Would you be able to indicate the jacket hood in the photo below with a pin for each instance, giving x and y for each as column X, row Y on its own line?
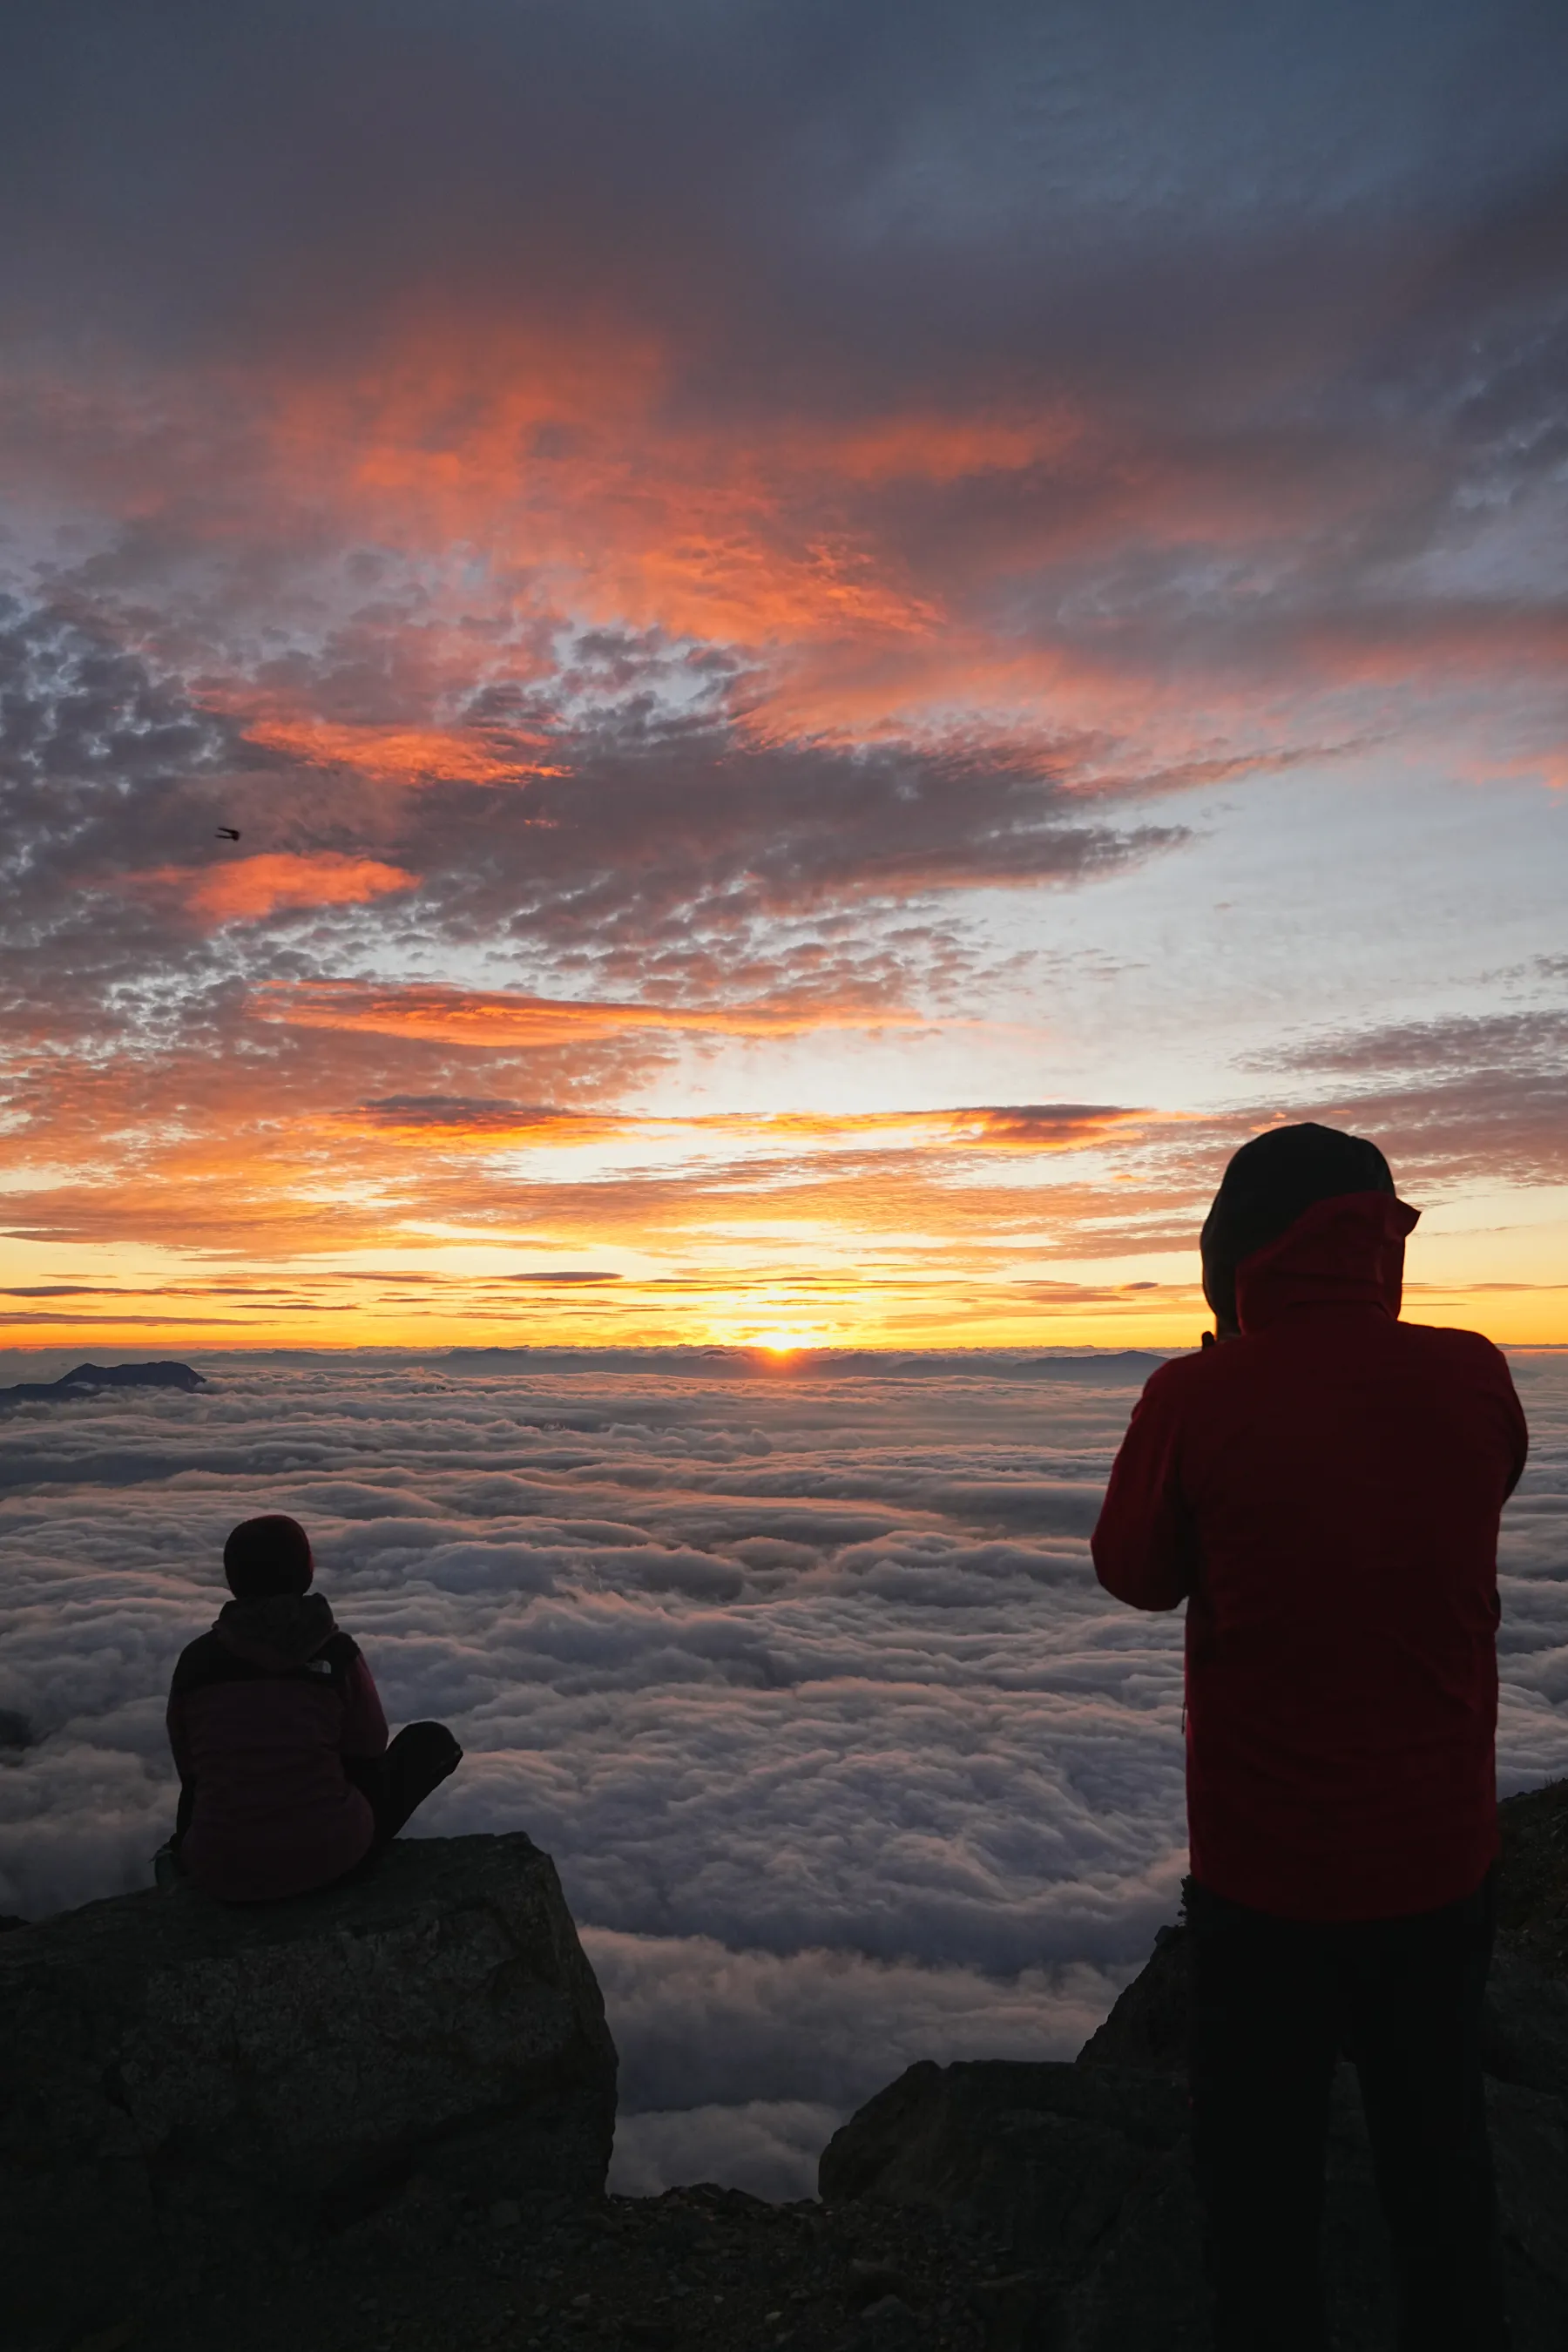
column 1344, row 1252
column 276, row 1629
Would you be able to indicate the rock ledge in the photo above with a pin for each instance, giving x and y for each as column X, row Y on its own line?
column 1083, row 2171
column 177, row 2072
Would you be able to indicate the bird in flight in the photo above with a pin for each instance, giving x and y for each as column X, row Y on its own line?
column 227, row 833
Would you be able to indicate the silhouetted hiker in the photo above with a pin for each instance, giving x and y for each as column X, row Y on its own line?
column 286, row 1777
column 1324, row 1490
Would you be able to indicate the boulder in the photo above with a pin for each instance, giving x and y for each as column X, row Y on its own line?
column 1084, row 2170
column 1524, row 2023
column 1084, row 2173
column 176, row 2073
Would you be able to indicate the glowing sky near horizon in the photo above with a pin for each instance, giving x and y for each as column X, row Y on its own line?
column 844, row 641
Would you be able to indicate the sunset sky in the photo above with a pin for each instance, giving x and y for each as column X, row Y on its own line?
column 845, row 638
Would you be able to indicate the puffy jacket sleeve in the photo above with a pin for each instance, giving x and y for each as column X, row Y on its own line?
column 179, row 1741
column 364, row 1725
column 1144, row 1544
column 1516, row 1430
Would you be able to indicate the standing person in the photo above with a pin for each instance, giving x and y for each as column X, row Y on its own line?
column 1323, row 1487
column 286, row 1777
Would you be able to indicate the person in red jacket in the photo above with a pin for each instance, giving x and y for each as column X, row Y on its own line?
column 287, row 1780
column 1321, row 1484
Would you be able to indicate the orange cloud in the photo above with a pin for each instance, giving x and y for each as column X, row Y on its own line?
column 459, row 1120
column 1025, row 1127
column 931, row 447
column 398, row 755
column 553, row 454
column 554, row 471
column 252, row 886
column 509, row 1019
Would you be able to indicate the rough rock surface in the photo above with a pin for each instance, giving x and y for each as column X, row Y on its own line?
column 1083, row 2170
column 698, row 2270
column 177, row 2074
column 998, row 2159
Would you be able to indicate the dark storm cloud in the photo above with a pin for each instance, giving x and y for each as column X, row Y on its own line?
column 1261, row 247
column 342, row 151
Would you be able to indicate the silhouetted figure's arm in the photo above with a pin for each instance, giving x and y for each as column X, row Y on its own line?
column 180, row 1748
column 1144, row 1544
column 1514, row 1422
column 364, row 1723
column 361, row 1743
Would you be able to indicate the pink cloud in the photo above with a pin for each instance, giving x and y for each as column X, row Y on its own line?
column 250, row 887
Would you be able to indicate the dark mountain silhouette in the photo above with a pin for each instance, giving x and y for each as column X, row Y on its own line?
column 85, row 1378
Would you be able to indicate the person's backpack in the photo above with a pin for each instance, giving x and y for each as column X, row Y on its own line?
column 209, row 1661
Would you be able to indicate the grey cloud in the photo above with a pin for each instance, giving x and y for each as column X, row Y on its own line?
column 796, row 2026
column 768, row 2147
column 1460, row 1042
column 740, row 2064
column 670, row 846
column 98, row 749
column 340, row 151
column 1469, row 1096
column 674, row 837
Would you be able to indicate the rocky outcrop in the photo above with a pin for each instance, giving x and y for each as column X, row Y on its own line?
column 176, row 2072
column 1084, row 2170
column 87, row 1380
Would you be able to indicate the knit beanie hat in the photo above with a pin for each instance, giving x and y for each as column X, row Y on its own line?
column 268, row 1555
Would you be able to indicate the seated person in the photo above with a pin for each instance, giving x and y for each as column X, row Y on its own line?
column 286, row 1777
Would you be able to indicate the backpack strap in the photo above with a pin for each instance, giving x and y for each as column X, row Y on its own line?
column 210, row 1661
column 336, row 1656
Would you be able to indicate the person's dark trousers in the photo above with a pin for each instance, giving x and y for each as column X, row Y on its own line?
column 1274, row 2004
column 421, row 1757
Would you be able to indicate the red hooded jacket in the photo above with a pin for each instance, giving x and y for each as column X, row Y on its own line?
column 1325, row 1493
column 264, row 1712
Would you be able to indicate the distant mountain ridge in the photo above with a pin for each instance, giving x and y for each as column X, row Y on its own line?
column 87, row 1378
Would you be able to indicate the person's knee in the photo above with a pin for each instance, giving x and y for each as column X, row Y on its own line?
column 435, row 1747
column 434, row 1735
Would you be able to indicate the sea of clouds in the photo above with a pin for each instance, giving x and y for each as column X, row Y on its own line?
column 805, row 1680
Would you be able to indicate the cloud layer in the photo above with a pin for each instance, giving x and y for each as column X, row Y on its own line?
column 807, row 1683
